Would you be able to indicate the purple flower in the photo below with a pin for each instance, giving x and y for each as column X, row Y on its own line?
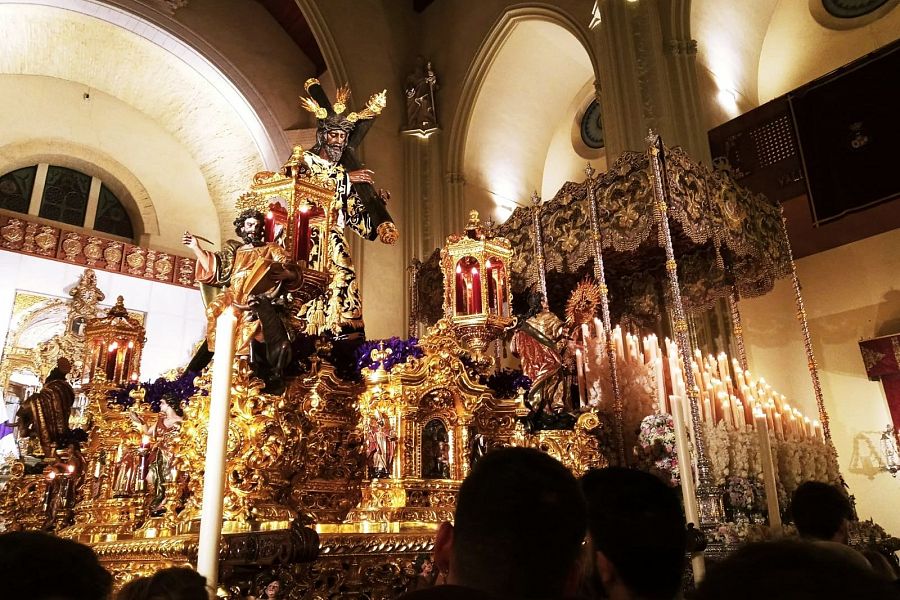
column 401, row 351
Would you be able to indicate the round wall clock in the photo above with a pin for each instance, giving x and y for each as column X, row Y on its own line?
column 851, row 9
column 592, row 126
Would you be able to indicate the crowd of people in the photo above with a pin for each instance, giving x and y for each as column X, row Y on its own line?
column 526, row 528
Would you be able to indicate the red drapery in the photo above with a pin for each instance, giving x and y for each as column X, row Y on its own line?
column 882, row 359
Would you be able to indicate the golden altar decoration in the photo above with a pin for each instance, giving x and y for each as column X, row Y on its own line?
column 296, row 203
column 86, row 297
column 113, row 346
column 438, row 414
column 477, row 292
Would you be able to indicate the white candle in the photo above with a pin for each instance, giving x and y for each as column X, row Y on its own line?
column 722, row 360
column 768, row 465
column 726, row 408
column 660, row 385
column 216, row 445
column 579, row 365
column 779, row 428
column 617, row 340
column 685, row 472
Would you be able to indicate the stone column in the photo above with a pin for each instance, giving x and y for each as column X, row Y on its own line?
column 427, row 217
column 648, row 76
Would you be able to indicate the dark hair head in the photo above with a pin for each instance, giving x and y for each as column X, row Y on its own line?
column 791, row 570
column 520, row 522
column 535, row 302
column 173, row 401
column 136, row 589
column 246, row 214
column 635, row 520
column 819, row 509
column 40, row 566
column 174, row 583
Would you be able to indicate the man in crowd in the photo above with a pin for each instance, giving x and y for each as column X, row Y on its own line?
column 518, row 531
column 637, row 532
column 822, row 515
column 792, row 570
column 39, row 566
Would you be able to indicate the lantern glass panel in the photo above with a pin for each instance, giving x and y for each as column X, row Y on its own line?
column 468, row 286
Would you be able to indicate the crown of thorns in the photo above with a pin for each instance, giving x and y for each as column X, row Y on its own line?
column 331, row 115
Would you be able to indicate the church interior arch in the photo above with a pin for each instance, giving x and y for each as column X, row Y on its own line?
column 116, row 85
column 533, row 77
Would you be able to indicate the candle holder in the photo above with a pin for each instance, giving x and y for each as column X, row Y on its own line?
column 477, row 293
column 113, row 347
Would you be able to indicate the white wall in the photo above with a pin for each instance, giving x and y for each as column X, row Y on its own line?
column 175, row 319
column 851, row 292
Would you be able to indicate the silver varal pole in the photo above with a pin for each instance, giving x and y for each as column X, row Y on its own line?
column 709, row 496
column 600, row 276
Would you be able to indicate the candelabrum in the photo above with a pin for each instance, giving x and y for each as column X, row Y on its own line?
column 891, row 453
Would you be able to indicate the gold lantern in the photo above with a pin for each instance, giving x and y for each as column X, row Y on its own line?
column 114, row 346
column 477, row 295
column 297, row 204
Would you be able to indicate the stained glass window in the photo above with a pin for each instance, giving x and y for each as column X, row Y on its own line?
column 65, row 196
column 15, row 189
column 111, row 216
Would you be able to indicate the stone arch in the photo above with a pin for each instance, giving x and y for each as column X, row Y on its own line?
column 90, row 161
column 480, row 72
column 321, row 32
column 183, row 85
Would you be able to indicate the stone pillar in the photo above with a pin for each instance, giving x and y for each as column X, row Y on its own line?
column 647, row 76
column 427, row 217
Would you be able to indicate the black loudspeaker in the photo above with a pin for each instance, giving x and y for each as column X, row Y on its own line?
column 847, row 126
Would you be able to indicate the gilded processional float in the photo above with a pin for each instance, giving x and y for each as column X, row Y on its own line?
column 309, row 456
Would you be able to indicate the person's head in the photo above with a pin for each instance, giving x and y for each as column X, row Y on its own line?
column 791, row 570
column 637, row 531
column 519, row 526
column 427, row 567
column 273, row 589
column 64, row 365
column 250, row 226
column 174, row 583
column 331, row 137
column 535, row 302
column 39, row 566
column 170, row 404
column 821, row 511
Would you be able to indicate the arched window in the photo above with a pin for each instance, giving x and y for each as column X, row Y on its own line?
column 15, row 189
column 111, row 216
column 67, row 196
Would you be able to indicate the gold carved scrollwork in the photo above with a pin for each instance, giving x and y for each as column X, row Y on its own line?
column 135, row 260
column 113, row 255
column 163, row 267
column 259, row 448
column 93, row 251
column 13, row 233
column 46, row 240
column 578, row 449
column 72, row 245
